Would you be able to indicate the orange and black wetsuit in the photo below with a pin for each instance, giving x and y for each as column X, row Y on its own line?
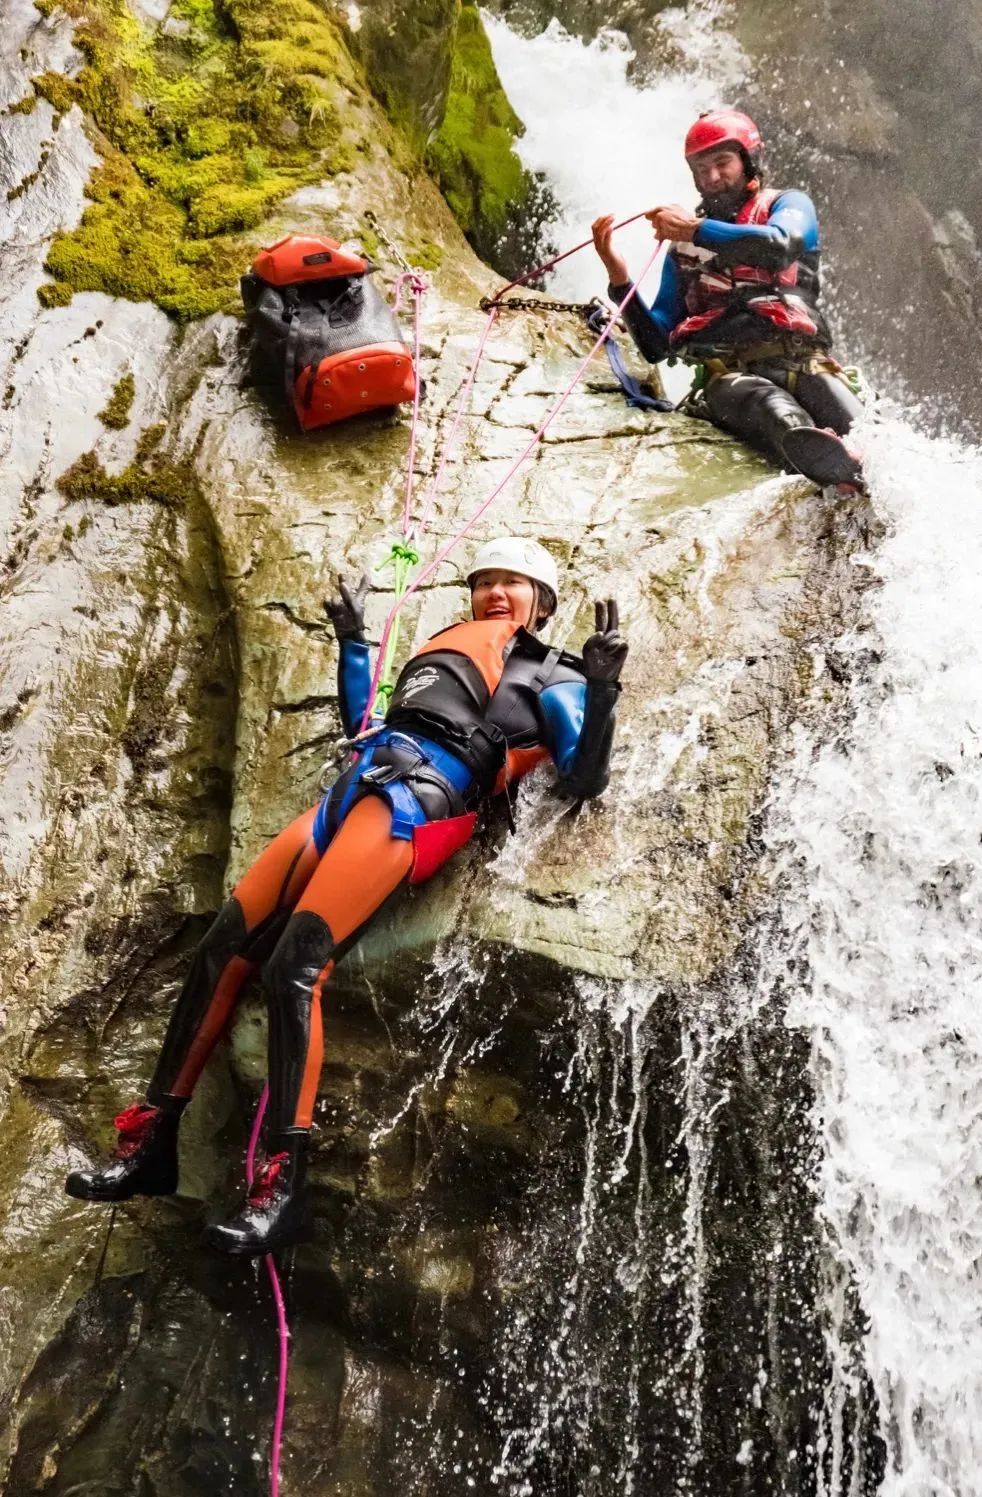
column 480, row 703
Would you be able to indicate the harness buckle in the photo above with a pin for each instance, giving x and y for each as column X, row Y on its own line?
column 382, row 774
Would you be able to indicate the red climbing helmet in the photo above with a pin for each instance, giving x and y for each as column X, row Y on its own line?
column 721, row 127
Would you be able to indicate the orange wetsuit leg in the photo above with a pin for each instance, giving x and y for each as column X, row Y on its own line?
column 239, row 939
column 363, row 866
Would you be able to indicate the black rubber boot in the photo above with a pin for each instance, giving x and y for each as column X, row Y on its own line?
column 276, row 1212
column 144, row 1161
column 821, row 456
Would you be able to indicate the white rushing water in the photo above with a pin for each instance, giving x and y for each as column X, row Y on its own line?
column 882, row 831
column 877, row 834
column 604, row 144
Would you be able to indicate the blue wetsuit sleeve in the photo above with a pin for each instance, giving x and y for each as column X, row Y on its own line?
column 650, row 327
column 578, row 728
column 354, row 683
column 791, row 230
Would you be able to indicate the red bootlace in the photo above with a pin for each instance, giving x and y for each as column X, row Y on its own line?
column 133, row 1123
column 265, row 1179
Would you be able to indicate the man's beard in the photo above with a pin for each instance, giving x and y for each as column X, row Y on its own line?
column 725, row 204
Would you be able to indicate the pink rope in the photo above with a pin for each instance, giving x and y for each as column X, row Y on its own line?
column 282, row 1325
column 551, row 415
column 548, row 264
column 418, row 287
column 434, row 487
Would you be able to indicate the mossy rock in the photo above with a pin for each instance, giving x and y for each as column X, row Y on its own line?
column 407, row 48
column 473, row 154
column 151, row 481
column 202, row 129
column 55, row 293
column 116, row 412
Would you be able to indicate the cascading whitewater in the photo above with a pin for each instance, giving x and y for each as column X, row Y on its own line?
column 606, row 1371
column 880, row 834
column 624, row 151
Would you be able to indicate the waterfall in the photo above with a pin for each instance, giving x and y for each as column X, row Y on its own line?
column 878, row 832
column 870, row 958
column 604, row 144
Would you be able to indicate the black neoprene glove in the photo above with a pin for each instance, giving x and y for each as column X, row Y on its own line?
column 604, row 653
column 347, row 612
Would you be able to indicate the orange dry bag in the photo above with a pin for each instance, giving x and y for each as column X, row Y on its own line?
column 313, row 312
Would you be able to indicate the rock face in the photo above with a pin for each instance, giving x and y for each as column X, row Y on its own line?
column 564, row 1223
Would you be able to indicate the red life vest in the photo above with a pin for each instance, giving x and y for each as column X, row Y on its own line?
column 711, row 290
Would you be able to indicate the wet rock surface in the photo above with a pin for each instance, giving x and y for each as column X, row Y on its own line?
column 558, row 1149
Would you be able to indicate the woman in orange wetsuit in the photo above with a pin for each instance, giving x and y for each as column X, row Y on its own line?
column 481, row 703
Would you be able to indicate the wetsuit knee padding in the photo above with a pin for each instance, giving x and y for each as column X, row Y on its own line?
column 755, row 409
column 829, row 401
column 218, row 968
column 293, row 976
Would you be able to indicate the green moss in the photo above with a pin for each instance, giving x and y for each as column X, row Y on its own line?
column 426, row 254
column 116, row 412
column 149, row 441
column 55, row 294
column 25, row 105
column 201, row 135
column 153, row 482
column 406, row 46
column 369, row 241
column 472, row 155
column 60, row 92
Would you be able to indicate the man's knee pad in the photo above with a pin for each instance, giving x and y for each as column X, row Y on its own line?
column 829, row 401
column 755, row 408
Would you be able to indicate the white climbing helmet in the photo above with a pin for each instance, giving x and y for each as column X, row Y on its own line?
column 512, row 553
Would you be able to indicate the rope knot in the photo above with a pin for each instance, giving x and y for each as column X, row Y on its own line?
column 401, row 552
column 415, row 280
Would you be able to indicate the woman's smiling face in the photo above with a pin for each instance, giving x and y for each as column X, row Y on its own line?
column 504, row 595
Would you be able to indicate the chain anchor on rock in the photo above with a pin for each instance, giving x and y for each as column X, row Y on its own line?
column 379, row 231
column 541, row 304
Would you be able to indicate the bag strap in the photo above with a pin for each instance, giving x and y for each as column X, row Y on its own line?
column 290, row 360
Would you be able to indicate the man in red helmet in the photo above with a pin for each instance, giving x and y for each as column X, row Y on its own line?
column 739, row 295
